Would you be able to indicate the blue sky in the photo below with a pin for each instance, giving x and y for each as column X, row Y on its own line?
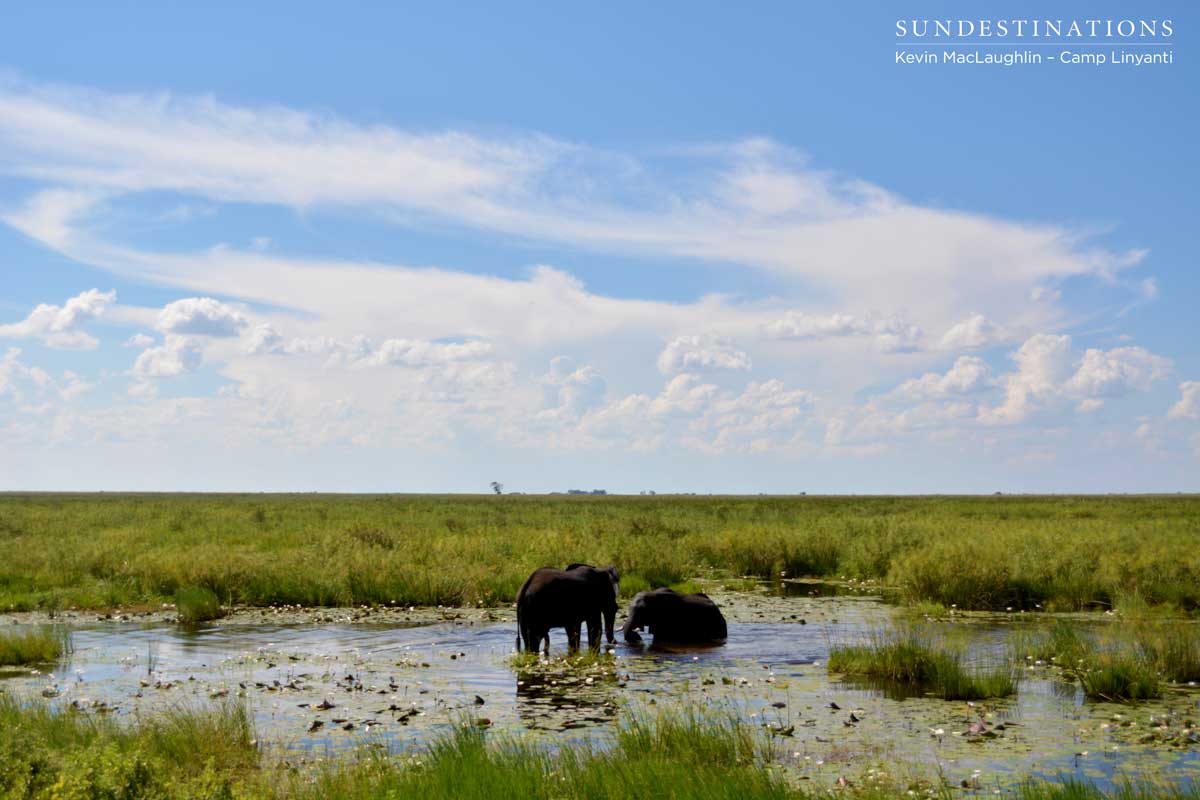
column 681, row 248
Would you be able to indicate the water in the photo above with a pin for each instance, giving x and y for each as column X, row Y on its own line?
column 400, row 686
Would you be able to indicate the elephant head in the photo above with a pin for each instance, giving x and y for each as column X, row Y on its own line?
column 640, row 616
column 609, row 583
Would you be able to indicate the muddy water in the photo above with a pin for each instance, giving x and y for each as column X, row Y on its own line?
column 316, row 689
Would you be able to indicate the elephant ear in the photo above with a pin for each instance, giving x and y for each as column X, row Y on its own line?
column 613, row 572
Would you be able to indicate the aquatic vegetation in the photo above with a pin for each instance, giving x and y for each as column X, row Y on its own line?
column 683, row 756
column 916, row 658
column 197, row 604
column 1119, row 675
column 998, row 553
column 212, row 753
column 40, row 644
column 1172, row 647
column 1060, row 644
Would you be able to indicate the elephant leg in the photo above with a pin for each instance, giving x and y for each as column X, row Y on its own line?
column 573, row 637
column 593, row 629
column 545, row 634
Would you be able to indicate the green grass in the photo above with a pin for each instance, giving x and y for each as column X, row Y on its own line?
column 211, row 754
column 1129, row 662
column 101, row 551
column 183, row 753
column 196, row 604
column 1060, row 643
column 20, row 645
column 1172, row 647
column 914, row 658
column 1119, row 676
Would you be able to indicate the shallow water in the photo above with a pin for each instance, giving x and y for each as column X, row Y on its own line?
column 400, row 686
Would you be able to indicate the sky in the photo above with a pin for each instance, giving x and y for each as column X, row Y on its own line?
column 679, row 247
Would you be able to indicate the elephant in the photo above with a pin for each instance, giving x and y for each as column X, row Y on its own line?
column 567, row 598
column 675, row 617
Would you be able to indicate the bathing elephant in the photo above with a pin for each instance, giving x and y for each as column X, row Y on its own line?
column 567, row 598
column 674, row 617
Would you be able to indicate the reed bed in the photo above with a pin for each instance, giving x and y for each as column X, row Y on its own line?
column 1053, row 553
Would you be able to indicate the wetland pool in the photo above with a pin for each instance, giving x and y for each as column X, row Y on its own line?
column 316, row 689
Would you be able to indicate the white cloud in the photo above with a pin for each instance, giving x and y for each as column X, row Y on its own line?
column 1045, row 375
column 700, row 353
column 201, row 316
column 972, row 333
column 139, row 340
column 1117, row 372
column 890, row 334
column 968, row 375
column 570, row 390
column 416, row 353
column 1043, row 362
column 19, row 381
column 753, row 203
column 1188, row 406
column 61, row 326
column 178, row 355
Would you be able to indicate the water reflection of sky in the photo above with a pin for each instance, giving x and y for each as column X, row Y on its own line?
column 767, row 673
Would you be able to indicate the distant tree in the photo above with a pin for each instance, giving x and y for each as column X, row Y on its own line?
column 497, row 487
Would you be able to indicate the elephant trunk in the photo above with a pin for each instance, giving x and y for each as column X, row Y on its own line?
column 610, row 618
column 629, row 632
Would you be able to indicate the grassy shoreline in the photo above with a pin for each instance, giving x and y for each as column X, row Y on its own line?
column 1061, row 553
column 213, row 753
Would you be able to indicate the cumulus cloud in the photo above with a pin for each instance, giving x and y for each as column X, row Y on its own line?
column 1043, row 362
column 701, row 353
column 1117, row 372
column 201, row 316
column 416, row 353
column 61, row 326
column 139, row 340
column 968, row 375
column 19, row 380
column 569, row 390
column 972, row 333
column 1188, row 406
column 767, row 415
column 1046, row 371
column 178, row 355
column 890, row 334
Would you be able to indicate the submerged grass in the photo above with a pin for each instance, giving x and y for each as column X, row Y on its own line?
column 1129, row 663
column 915, row 658
column 20, row 645
column 99, row 551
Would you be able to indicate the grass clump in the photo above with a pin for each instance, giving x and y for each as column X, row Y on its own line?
column 1060, row 644
column 21, row 645
column 196, row 604
column 1120, row 676
column 913, row 658
column 1172, row 647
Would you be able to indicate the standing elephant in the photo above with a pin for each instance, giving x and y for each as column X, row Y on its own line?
column 567, row 598
column 674, row 617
